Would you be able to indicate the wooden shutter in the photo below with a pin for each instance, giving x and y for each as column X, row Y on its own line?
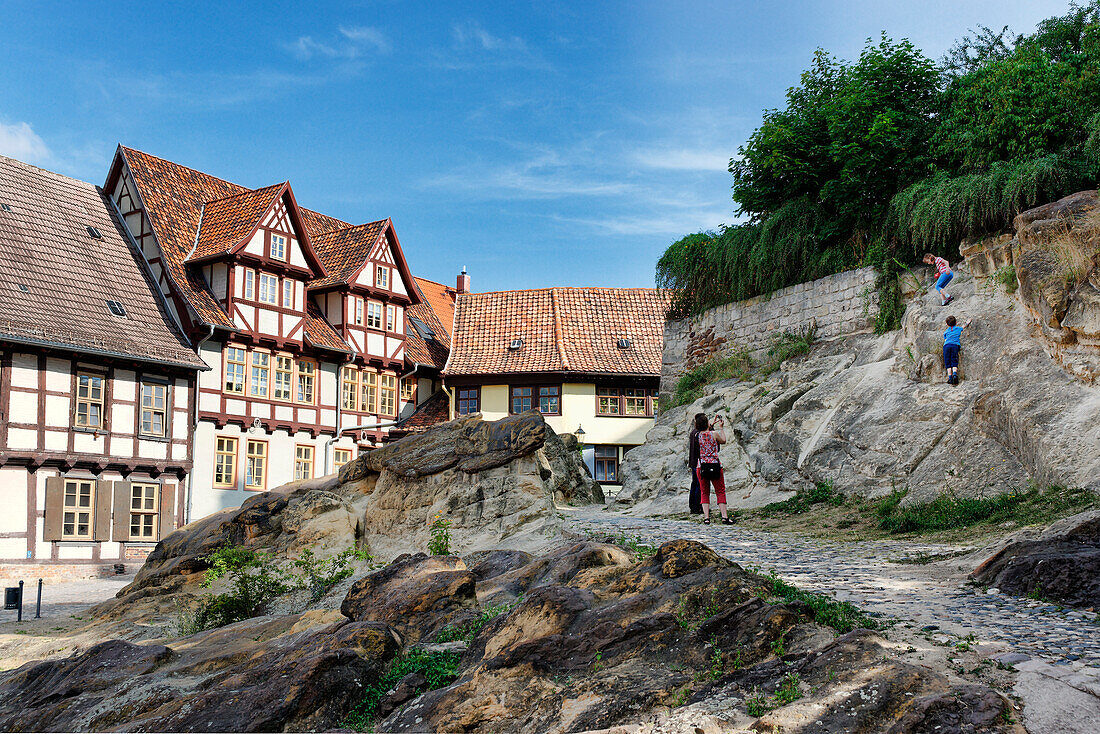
column 102, row 511
column 120, row 527
column 55, row 507
column 167, row 521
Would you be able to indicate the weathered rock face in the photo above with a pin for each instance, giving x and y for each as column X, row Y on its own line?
column 873, row 413
column 1062, row 563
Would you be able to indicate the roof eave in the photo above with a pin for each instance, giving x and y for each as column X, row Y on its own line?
column 79, row 349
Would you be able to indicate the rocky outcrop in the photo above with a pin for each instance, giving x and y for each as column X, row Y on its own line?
column 1062, row 563
column 872, row 414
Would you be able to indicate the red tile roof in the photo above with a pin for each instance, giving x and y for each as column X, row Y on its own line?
column 174, row 196
column 433, row 410
column 343, row 251
column 56, row 278
column 563, row 330
column 229, row 220
column 436, row 311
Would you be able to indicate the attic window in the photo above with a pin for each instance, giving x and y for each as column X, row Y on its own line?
column 94, row 232
column 516, row 345
column 422, row 329
column 5, row 207
column 23, row 288
column 117, row 308
column 624, row 343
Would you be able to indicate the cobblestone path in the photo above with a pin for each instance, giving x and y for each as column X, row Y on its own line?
column 863, row 574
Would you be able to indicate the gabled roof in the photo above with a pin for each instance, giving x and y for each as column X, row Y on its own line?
column 56, row 277
column 435, row 306
column 562, row 330
column 173, row 197
column 344, row 251
column 231, row 220
column 432, row 411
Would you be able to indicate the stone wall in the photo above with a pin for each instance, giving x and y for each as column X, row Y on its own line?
column 839, row 304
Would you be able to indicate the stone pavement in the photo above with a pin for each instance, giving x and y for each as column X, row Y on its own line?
column 60, row 599
column 862, row 573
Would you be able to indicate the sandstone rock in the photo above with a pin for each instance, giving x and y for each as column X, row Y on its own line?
column 1062, row 563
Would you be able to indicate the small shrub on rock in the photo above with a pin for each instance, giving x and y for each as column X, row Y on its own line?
column 440, row 531
column 437, row 668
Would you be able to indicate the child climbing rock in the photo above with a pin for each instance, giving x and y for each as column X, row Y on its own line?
column 952, row 341
column 943, row 276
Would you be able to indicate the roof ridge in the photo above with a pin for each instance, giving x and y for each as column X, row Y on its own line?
column 245, row 192
column 435, row 282
column 54, row 174
column 563, row 288
column 559, row 334
column 350, row 226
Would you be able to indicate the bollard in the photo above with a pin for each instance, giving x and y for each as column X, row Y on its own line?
column 19, row 614
column 38, row 605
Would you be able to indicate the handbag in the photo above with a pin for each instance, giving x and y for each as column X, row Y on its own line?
column 710, row 470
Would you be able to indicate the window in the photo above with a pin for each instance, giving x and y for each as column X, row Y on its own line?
column 374, row 315
column 234, row 370
column 269, row 289
column 387, row 396
column 78, row 509
column 468, row 400
column 550, row 399
column 288, row 293
column 350, row 388
column 391, row 313
column 255, row 473
column 278, row 247
column 261, row 374
column 225, row 462
column 383, row 278
column 284, row 369
column 358, row 318
column 654, row 397
column 154, row 408
column 306, row 372
column 634, row 401
column 408, row 388
column 303, row 462
column 370, row 392
column 521, row 399
column 250, row 284
column 89, row 400
column 143, row 511
column 607, row 401
column 607, row 463
column 341, row 457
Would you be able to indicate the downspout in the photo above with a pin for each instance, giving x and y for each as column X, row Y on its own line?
column 194, row 427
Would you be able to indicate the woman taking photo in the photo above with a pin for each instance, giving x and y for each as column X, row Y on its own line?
column 708, row 469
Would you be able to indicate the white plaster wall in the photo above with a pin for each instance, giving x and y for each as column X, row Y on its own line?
column 211, row 354
column 58, row 375
column 13, row 498
column 122, row 418
column 376, row 344
column 57, row 440
column 57, row 410
column 24, row 370
column 23, row 407
column 81, row 552
column 327, row 384
column 124, row 387
column 87, row 443
column 269, row 322
column 22, row 438
column 153, row 449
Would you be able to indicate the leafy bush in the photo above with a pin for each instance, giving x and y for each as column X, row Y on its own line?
column 469, row 630
column 1006, row 276
column 842, row 616
column 440, row 542
column 439, row 668
column 803, row 500
column 947, row 512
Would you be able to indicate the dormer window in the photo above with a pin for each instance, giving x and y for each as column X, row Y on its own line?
column 383, row 278
column 278, row 247
column 515, row 345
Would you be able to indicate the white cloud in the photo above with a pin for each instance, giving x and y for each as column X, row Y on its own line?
column 684, row 159
column 20, row 141
column 472, row 34
column 366, row 36
column 351, row 44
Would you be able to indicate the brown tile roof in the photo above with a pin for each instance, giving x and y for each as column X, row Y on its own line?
column 434, row 410
column 229, row 220
column 343, row 251
column 563, row 330
column 174, row 196
column 69, row 276
column 436, row 311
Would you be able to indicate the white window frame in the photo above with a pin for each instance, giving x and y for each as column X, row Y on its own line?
column 288, row 293
column 374, row 315
column 269, row 289
column 281, row 241
column 149, row 516
column 382, row 277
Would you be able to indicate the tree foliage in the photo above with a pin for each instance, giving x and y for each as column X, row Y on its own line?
column 878, row 160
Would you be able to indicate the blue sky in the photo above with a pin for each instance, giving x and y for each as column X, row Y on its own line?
column 535, row 143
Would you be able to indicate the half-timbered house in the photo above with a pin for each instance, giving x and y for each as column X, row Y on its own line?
column 300, row 316
column 96, row 381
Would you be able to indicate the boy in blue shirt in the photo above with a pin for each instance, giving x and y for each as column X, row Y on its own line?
column 952, row 340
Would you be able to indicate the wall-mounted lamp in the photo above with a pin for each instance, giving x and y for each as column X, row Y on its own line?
column 579, row 433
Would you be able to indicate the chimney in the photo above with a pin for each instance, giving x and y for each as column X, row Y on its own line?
column 463, row 281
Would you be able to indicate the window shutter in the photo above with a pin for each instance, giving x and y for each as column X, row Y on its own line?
column 55, row 507
column 167, row 521
column 120, row 528
column 102, row 511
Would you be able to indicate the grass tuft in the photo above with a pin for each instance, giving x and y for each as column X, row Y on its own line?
column 946, row 512
column 439, row 668
column 803, row 500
